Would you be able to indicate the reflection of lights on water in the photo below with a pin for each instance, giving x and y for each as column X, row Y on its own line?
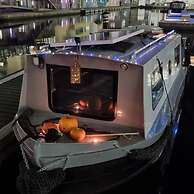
column 87, row 28
column 112, row 25
column 11, row 32
column 1, row 35
column 73, row 21
column 112, row 15
column 125, row 13
column 1, row 64
column 64, row 22
column 91, row 54
column 90, row 37
column 22, row 28
column 123, row 23
column 95, row 37
column 34, row 25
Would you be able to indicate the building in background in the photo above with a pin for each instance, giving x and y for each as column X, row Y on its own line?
column 64, row 4
column 189, row 3
column 58, row 4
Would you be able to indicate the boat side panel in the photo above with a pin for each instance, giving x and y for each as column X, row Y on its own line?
column 129, row 110
column 173, row 83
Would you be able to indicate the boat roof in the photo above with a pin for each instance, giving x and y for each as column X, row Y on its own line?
column 177, row 5
column 119, row 45
column 125, row 45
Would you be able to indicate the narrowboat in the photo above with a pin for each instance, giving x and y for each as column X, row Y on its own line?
column 178, row 18
column 177, row 8
column 95, row 111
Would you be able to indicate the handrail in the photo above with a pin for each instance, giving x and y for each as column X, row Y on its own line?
column 152, row 43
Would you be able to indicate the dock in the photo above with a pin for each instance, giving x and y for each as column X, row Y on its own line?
column 10, row 89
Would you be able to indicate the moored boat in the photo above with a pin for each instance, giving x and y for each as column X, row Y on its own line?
column 98, row 110
column 178, row 18
column 177, row 8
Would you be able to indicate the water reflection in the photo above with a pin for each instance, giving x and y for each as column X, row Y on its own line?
column 16, row 38
column 11, row 65
column 146, row 17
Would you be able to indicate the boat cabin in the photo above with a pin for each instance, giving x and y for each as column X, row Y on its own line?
column 177, row 7
column 119, row 89
column 178, row 18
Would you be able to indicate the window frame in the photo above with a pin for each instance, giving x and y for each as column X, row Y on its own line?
column 156, row 101
column 85, row 115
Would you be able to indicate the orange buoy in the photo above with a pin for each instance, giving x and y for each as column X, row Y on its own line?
column 78, row 134
column 67, row 123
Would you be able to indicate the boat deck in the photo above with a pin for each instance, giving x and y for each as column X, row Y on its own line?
column 9, row 99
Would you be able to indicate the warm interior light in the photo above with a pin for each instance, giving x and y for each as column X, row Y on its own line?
column 119, row 113
column 83, row 104
column 76, row 107
column 75, row 73
column 95, row 140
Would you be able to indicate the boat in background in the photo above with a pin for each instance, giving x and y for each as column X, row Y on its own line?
column 98, row 110
column 176, row 8
column 178, row 18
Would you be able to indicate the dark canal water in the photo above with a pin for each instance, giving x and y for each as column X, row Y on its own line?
column 15, row 40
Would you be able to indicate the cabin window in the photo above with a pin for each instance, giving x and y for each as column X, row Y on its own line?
column 95, row 97
column 157, row 87
column 177, row 56
column 177, row 7
column 169, row 67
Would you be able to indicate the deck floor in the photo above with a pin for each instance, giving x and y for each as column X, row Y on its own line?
column 9, row 99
